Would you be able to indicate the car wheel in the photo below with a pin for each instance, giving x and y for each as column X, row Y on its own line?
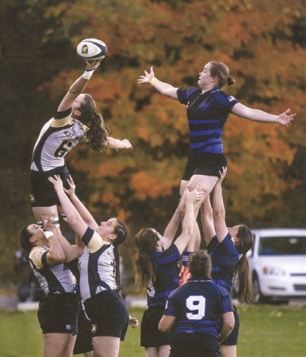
column 259, row 298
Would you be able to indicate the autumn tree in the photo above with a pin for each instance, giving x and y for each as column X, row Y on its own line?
column 263, row 43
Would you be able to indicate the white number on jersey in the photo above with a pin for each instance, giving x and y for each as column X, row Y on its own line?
column 196, row 304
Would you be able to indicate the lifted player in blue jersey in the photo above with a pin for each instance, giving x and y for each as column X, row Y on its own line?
column 194, row 311
column 208, row 108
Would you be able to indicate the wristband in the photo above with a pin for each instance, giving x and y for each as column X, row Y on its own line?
column 153, row 80
column 48, row 234
column 276, row 119
column 88, row 73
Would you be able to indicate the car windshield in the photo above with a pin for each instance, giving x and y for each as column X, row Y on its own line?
column 282, row 245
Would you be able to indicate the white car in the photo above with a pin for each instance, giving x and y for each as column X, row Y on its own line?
column 278, row 263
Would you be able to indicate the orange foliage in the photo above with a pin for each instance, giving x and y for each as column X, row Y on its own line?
column 147, row 186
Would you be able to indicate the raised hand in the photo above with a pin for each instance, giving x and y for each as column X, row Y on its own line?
column 147, row 77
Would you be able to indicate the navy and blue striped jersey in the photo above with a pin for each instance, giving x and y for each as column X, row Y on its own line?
column 207, row 114
column 224, row 257
column 167, row 275
column 198, row 306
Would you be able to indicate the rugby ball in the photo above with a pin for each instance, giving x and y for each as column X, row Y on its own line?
column 92, row 49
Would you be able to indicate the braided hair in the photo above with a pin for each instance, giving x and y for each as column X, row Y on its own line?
column 97, row 131
column 121, row 232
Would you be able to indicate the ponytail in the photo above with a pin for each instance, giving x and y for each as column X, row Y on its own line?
column 246, row 241
column 97, row 131
column 121, row 232
column 145, row 241
column 245, row 290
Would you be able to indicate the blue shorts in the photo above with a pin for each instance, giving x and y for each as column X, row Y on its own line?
column 58, row 313
column 151, row 336
column 205, row 164
column 108, row 314
column 42, row 190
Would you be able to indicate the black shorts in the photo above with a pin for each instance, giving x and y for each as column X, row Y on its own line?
column 58, row 313
column 108, row 314
column 206, row 164
column 194, row 345
column 42, row 190
column 151, row 336
column 83, row 342
column 232, row 339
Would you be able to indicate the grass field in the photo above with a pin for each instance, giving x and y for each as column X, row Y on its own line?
column 265, row 331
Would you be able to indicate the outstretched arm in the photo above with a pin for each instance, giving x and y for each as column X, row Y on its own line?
column 219, row 209
column 207, row 221
column 189, row 220
column 74, row 219
column 171, row 229
column 164, row 88
column 78, row 86
column 78, row 204
column 56, row 254
column 261, row 116
column 118, row 144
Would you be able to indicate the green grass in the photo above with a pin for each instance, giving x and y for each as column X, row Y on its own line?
column 265, row 331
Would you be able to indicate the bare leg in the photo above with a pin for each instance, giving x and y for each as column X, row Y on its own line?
column 228, row 351
column 152, row 352
column 164, row 351
column 89, row 354
column 44, row 211
column 161, row 351
column 58, row 345
column 106, row 346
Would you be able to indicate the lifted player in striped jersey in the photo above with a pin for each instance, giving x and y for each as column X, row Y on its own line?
column 76, row 121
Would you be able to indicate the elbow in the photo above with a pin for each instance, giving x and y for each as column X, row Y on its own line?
column 162, row 327
column 217, row 214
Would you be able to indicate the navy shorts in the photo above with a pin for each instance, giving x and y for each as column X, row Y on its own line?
column 83, row 342
column 151, row 336
column 108, row 314
column 206, row 165
column 232, row 339
column 195, row 345
column 58, row 313
column 42, row 190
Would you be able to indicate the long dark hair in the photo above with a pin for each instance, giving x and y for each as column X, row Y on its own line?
column 97, row 131
column 145, row 241
column 24, row 239
column 245, row 291
column 121, row 232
